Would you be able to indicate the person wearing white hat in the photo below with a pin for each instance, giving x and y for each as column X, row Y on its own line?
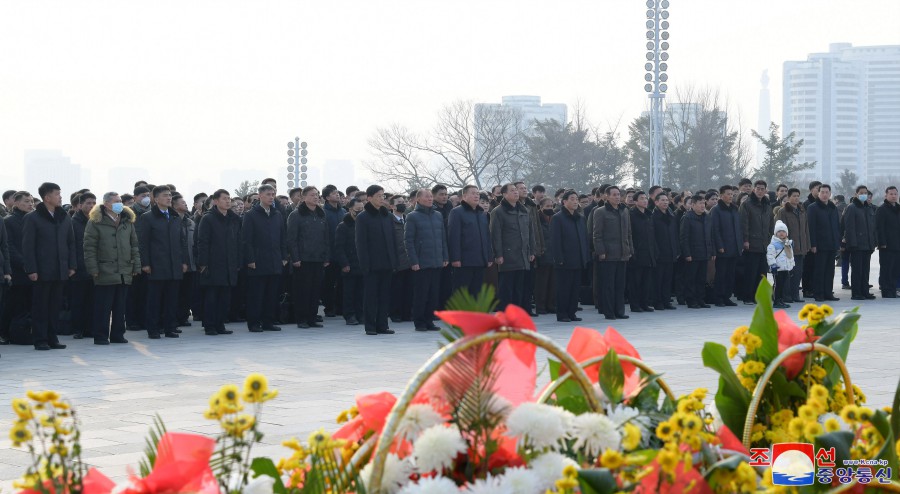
column 780, row 257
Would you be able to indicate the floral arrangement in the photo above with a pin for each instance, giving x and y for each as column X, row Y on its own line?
column 472, row 422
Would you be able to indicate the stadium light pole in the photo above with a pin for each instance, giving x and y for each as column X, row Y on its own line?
column 296, row 163
column 657, row 56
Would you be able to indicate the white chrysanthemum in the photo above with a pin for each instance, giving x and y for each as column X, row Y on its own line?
column 549, row 468
column 521, row 480
column 621, row 415
column 432, row 485
column 830, row 415
column 490, row 485
column 540, row 426
column 396, row 474
column 417, row 419
column 437, row 447
column 595, row 433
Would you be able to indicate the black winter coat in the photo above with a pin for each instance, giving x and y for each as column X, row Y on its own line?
column 48, row 244
column 696, row 237
column 264, row 241
column 468, row 237
column 824, row 226
column 375, row 240
column 666, row 235
column 218, row 248
column 399, row 231
column 5, row 268
column 859, row 226
column 334, row 215
column 757, row 222
column 425, row 238
column 345, row 253
column 163, row 244
column 547, row 258
column 512, row 236
column 569, row 240
column 887, row 222
column 308, row 236
column 79, row 223
column 642, row 241
column 14, row 223
column 728, row 241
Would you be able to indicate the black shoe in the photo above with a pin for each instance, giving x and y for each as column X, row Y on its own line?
column 704, row 306
column 846, row 286
column 78, row 336
column 647, row 309
column 798, row 301
column 433, row 328
column 720, row 304
column 532, row 313
column 118, row 340
column 315, row 325
column 579, row 309
column 870, row 296
column 670, row 307
column 330, row 314
column 681, row 302
column 271, row 328
column 857, row 298
column 819, row 299
column 211, row 332
column 832, row 298
column 302, row 325
column 396, row 319
column 101, row 342
column 385, row 331
column 693, row 306
column 153, row 336
column 610, row 318
column 184, row 324
column 224, row 331
column 563, row 319
column 256, row 329
column 351, row 321
column 622, row 316
column 57, row 346
column 42, row 347
column 372, row 333
column 780, row 305
column 730, row 303
column 320, row 319
column 883, row 295
column 635, row 310
column 171, row 334
column 575, row 319
column 420, row 328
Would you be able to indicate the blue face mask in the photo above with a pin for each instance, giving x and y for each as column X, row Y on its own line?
column 117, row 207
column 863, row 197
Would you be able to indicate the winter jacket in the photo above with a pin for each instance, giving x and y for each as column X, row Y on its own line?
column 534, row 214
column 5, row 267
column 264, row 241
column 798, row 227
column 780, row 254
column 696, row 237
column 426, row 242
column 190, row 233
column 334, row 215
column 612, row 233
column 14, row 223
column 445, row 211
column 468, row 236
column 887, row 224
column 512, row 236
column 569, row 240
column 757, row 222
column 219, row 248
column 111, row 251
column 642, row 241
column 859, row 226
column 666, row 236
column 164, row 247
column 308, row 236
column 824, row 226
column 345, row 252
column 79, row 222
column 375, row 240
column 399, row 230
column 545, row 259
column 727, row 233
column 48, row 244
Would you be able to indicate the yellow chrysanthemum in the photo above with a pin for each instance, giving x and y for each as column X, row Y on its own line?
column 43, row 396
column 238, row 426
column 737, row 334
column 858, row 394
column 255, row 387
column 795, row 426
column 668, row 460
column 832, row 425
column 818, row 392
column 22, row 408
column 850, row 414
column 807, row 413
column 804, row 312
column 752, row 342
column 826, row 309
column 631, row 438
column 865, row 414
column 19, row 433
column 665, row 431
column 611, row 459
column 812, row 430
column 227, row 400
column 320, row 441
column 732, row 352
column 566, row 484
column 570, row 472
column 58, row 449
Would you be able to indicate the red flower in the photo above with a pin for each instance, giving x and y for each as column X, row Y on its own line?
column 789, row 334
column 373, row 411
column 586, row 344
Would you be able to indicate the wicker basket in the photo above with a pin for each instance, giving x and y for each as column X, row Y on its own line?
column 553, row 386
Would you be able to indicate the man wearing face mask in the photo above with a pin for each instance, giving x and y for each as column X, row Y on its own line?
column 401, row 278
column 137, row 294
column 859, row 239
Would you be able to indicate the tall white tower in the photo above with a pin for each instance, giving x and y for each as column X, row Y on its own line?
column 765, row 116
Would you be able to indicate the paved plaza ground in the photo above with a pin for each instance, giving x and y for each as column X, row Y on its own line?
column 117, row 389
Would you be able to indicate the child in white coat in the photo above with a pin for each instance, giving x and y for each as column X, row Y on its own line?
column 780, row 256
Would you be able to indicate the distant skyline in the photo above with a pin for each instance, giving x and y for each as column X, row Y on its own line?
column 185, row 90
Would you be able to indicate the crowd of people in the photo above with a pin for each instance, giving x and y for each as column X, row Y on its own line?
column 150, row 261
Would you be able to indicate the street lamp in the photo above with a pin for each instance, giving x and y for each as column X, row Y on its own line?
column 657, row 63
column 296, row 163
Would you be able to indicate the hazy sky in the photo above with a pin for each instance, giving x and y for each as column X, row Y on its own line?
column 185, row 88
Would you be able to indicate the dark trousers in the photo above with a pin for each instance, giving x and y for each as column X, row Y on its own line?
column 109, row 312
column 162, row 305
column 136, row 305
column 823, row 274
column 353, row 287
column 80, row 302
column 468, row 277
column 754, row 268
column 46, row 303
column 695, row 281
column 511, row 288
column 263, row 293
column 377, row 300
column 680, row 270
column 845, row 267
column 724, row 281
column 860, row 261
column 238, row 309
column 612, row 274
column 332, row 292
column 216, row 301
column 888, row 270
column 662, row 283
column 401, row 304
column 796, row 275
column 781, row 292
column 16, row 303
column 307, row 289
column 568, row 281
column 809, row 269
column 544, row 288
column 446, row 286
column 426, row 288
column 640, row 289
column 528, row 289
column 186, row 297
column 598, row 286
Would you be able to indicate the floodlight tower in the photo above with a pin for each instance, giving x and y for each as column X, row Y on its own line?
column 657, row 63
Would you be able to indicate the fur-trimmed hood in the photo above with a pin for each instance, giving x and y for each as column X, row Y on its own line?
column 99, row 210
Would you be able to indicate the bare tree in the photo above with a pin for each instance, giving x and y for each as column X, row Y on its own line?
column 399, row 160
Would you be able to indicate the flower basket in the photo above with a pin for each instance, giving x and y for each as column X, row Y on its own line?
column 640, row 364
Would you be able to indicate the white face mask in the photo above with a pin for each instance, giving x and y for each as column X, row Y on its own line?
column 145, row 201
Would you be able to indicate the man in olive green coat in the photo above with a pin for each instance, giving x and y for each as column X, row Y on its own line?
column 112, row 257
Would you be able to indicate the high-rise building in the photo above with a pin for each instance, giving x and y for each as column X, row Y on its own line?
column 845, row 105
column 529, row 109
column 765, row 116
column 50, row 165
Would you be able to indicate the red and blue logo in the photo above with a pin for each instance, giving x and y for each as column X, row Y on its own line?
column 793, row 464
